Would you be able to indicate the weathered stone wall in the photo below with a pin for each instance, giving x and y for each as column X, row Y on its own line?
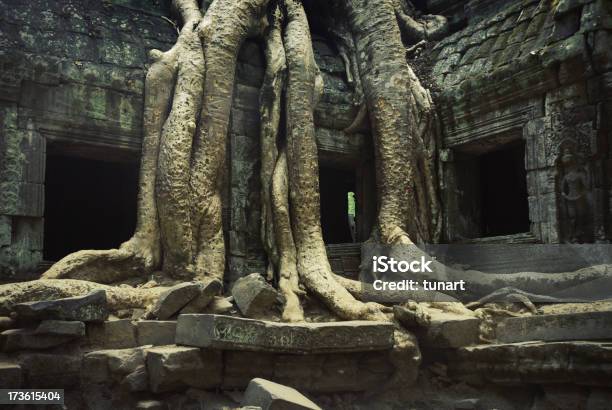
column 70, row 71
column 539, row 71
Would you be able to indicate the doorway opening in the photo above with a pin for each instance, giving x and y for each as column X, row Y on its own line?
column 89, row 204
column 491, row 191
column 505, row 209
column 335, row 186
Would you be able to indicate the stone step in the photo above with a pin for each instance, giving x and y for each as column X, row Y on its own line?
column 231, row 333
column 577, row 362
column 568, row 326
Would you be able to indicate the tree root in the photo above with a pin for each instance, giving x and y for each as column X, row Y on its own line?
column 118, row 297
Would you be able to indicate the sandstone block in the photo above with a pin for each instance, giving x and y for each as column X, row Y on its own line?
column 48, row 334
column 136, row 381
column 449, row 330
column 208, row 290
column 174, row 367
column 570, row 326
column 156, row 332
column 225, row 332
column 112, row 334
column 273, row 396
column 50, row 370
column 173, row 299
column 23, row 339
column 101, row 366
column 253, row 295
column 88, row 308
column 61, row 327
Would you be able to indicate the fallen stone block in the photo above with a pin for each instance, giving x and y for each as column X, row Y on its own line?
column 568, row 326
column 254, row 296
column 156, row 332
column 231, row 333
column 273, row 396
column 208, row 290
column 173, row 300
column 175, row 367
column 10, row 375
column 112, row 334
column 89, row 308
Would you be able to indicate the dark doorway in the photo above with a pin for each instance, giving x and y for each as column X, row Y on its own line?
column 89, row 204
column 503, row 188
column 334, row 185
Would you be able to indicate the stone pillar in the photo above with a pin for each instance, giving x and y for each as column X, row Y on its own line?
column 22, row 169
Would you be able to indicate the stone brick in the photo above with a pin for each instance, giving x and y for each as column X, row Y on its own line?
column 174, row 367
column 88, row 308
column 112, row 334
column 51, row 370
column 156, row 332
column 224, row 332
column 108, row 365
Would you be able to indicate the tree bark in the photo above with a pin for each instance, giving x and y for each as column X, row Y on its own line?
column 313, row 266
column 228, row 25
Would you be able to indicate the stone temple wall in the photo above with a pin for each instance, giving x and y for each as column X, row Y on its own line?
column 70, row 71
column 538, row 72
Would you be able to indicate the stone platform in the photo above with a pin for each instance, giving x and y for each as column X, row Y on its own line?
column 204, row 352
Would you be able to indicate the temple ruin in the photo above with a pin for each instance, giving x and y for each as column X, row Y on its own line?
column 522, row 91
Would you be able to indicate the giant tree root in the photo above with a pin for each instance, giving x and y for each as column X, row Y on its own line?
column 118, row 297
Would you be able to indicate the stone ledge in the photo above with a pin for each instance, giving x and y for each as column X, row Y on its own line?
column 577, row 362
column 230, row 333
column 571, row 326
